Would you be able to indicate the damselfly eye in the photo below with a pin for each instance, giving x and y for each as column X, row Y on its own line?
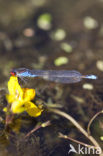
column 13, row 73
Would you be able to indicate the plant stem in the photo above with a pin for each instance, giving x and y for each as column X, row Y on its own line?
column 77, row 125
column 79, row 142
column 90, row 122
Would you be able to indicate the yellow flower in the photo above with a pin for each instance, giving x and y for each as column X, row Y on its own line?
column 20, row 98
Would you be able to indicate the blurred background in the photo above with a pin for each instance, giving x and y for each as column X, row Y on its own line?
column 54, row 34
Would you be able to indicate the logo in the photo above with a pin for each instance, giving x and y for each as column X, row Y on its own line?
column 84, row 150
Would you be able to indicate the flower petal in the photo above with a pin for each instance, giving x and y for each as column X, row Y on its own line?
column 14, row 88
column 28, row 94
column 10, row 98
column 5, row 109
column 17, row 107
column 20, row 98
column 32, row 109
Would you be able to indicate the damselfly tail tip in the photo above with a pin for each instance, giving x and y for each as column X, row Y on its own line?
column 94, row 77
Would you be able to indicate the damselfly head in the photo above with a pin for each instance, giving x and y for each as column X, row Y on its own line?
column 13, row 73
column 18, row 72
